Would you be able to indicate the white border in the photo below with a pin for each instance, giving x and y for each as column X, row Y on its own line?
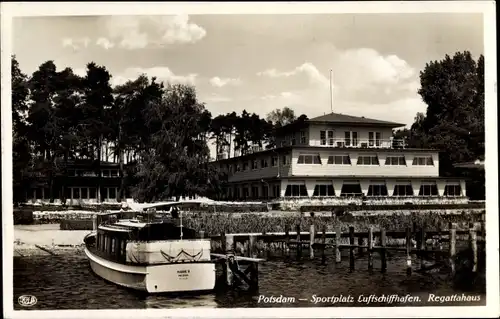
column 10, row 10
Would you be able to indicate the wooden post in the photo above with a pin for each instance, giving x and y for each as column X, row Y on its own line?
column 287, row 239
column 473, row 245
column 323, row 244
column 351, row 248
column 311, row 241
column 338, row 235
column 94, row 222
column 408, row 251
column 202, row 234
column 422, row 246
column 224, row 266
column 383, row 243
column 453, row 240
column 370, row 248
column 229, row 254
column 251, row 246
column 299, row 244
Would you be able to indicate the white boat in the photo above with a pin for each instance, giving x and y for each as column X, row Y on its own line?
column 151, row 254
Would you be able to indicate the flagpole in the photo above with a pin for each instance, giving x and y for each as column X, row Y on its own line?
column 331, row 91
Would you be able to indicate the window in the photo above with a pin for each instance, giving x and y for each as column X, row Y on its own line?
column 113, row 244
column 254, row 164
column 452, row 190
column 403, row 190
column 309, row 159
column 237, row 192
column 245, row 192
column 114, row 173
column 347, row 138
column 245, row 166
column 112, row 193
column 295, row 190
column 423, row 161
column 351, row 189
column 292, row 140
column 276, row 191
column 84, row 192
column 428, row 189
column 322, row 137
column 285, row 160
column 368, row 160
column 302, row 137
column 395, row 160
column 265, row 191
column 274, row 161
column 92, row 192
column 378, row 138
column 354, row 138
column 76, row 193
column 377, row 189
column 105, row 173
column 324, row 190
column 255, row 192
column 263, row 163
column 339, row 159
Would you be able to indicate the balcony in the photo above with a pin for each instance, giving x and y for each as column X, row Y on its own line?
column 360, row 143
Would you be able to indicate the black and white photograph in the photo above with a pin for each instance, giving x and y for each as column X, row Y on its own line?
column 249, row 160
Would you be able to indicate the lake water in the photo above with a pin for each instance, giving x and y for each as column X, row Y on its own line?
column 67, row 282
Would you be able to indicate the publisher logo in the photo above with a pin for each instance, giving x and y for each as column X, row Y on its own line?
column 27, row 300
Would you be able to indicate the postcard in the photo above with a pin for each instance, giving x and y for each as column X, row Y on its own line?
column 249, row 160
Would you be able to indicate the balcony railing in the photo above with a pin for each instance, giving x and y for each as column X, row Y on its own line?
column 360, row 143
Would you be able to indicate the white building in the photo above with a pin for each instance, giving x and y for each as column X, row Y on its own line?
column 339, row 156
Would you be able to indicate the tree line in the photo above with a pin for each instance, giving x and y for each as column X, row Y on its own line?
column 60, row 117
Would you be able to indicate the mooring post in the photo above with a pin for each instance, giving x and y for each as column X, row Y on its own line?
column 287, row 239
column 383, row 243
column 370, row 248
column 408, row 251
column 338, row 235
column 360, row 243
column 202, row 234
column 453, row 241
column 473, row 245
column 229, row 258
column 323, row 246
column 94, row 222
column 299, row 243
column 311, row 241
column 422, row 246
column 251, row 246
column 351, row 248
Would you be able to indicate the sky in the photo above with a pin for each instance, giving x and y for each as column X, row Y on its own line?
column 263, row 62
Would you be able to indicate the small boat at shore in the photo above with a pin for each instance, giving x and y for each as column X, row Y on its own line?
column 150, row 252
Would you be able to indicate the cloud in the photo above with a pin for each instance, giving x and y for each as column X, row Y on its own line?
column 162, row 73
column 281, row 96
column 221, row 82
column 75, row 44
column 216, row 98
column 80, row 71
column 105, row 43
column 307, row 68
column 137, row 32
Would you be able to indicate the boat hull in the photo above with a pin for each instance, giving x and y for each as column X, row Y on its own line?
column 163, row 278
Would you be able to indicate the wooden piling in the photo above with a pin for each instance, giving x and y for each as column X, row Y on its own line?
column 370, row 248
column 408, row 251
column 323, row 244
column 251, row 246
column 351, row 248
column 338, row 235
column 383, row 243
column 422, row 246
column 299, row 244
column 473, row 245
column 229, row 260
column 224, row 265
column 287, row 240
column 311, row 241
column 453, row 241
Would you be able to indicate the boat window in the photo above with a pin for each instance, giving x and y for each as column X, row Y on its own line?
column 113, row 243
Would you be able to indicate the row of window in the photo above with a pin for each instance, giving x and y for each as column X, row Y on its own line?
column 256, row 164
column 91, row 173
column 347, row 190
column 350, row 138
column 111, row 246
column 76, row 193
column 365, row 160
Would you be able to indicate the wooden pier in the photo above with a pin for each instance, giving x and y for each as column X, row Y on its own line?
column 413, row 243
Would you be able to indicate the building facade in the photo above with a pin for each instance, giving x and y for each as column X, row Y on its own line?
column 339, row 156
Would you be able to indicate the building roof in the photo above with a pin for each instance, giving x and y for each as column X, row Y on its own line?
column 339, row 118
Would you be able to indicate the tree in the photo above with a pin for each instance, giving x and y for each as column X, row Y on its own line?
column 96, row 114
column 453, row 90
column 175, row 163
column 21, row 154
column 281, row 117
